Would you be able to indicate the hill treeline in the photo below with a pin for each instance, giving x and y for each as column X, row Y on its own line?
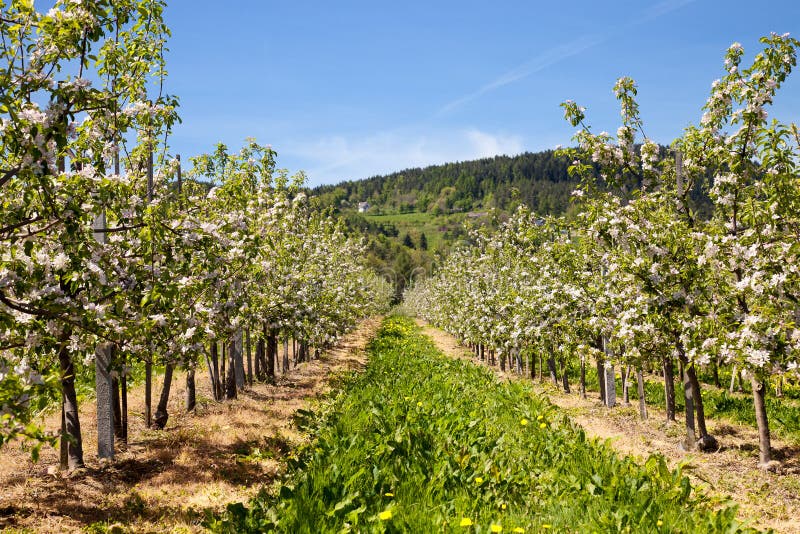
column 539, row 180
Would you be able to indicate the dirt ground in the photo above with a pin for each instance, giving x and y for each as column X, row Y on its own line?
column 766, row 499
column 165, row 480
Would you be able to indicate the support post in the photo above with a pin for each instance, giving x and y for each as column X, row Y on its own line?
column 611, row 388
column 105, row 404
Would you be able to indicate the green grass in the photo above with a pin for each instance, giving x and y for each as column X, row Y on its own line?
column 433, row 226
column 415, row 217
column 421, row 443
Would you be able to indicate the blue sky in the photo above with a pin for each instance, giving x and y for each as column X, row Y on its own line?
column 350, row 89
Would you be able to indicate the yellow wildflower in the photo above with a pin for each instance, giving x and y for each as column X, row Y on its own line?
column 388, row 494
column 385, row 515
column 478, row 480
column 542, row 425
column 523, row 421
column 540, row 418
column 546, row 526
column 518, row 529
column 496, row 528
column 659, row 523
column 419, row 404
column 503, row 506
column 465, row 522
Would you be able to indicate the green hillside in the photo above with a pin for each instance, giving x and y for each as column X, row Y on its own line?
column 417, row 215
column 539, row 180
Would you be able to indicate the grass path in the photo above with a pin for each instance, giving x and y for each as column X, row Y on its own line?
column 421, row 442
column 768, row 499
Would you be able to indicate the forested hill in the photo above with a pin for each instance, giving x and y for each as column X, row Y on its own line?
column 539, row 180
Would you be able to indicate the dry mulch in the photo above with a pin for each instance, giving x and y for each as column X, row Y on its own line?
column 165, row 480
column 766, row 499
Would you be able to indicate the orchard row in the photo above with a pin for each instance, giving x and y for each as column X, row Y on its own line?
column 638, row 276
column 107, row 249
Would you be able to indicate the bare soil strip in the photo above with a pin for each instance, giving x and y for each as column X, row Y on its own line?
column 767, row 500
column 224, row 452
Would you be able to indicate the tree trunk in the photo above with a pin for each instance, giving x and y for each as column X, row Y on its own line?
column 210, row 367
column 260, row 347
column 71, row 439
column 237, row 356
column 532, row 358
column 213, row 370
column 551, row 366
column 688, row 399
column 640, row 393
column 123, row 384
column 669, row 387
column 160, row 420
column 115, row 403
column 223, row 376
column 285, row 356
column 601, row 377
column 483, row 352
column 541, row 367
column 249, row 358
column 705, row 442
column 759, row 403
column 63, row 442
column 148, row 392
column 583, row 377
column 503, row 362
column 117, row 390
column 626, row 397
column 564, row 377
column 230, row 378
column 191, row 394
column 272, row 355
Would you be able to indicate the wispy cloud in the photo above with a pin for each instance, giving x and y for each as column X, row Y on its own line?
column 661, row 9
column 340, row 158
column 559, row 53
column 540, row 62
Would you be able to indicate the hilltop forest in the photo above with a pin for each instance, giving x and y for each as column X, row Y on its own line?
column 539, row 180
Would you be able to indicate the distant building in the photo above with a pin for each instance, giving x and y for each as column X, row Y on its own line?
column 363, row 207
column 477, row 214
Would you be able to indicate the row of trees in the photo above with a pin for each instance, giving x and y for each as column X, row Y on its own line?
column 105, row 249
column 637, row 277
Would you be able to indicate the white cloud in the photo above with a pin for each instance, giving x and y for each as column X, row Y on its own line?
column 337, row 158
column 487, row 145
